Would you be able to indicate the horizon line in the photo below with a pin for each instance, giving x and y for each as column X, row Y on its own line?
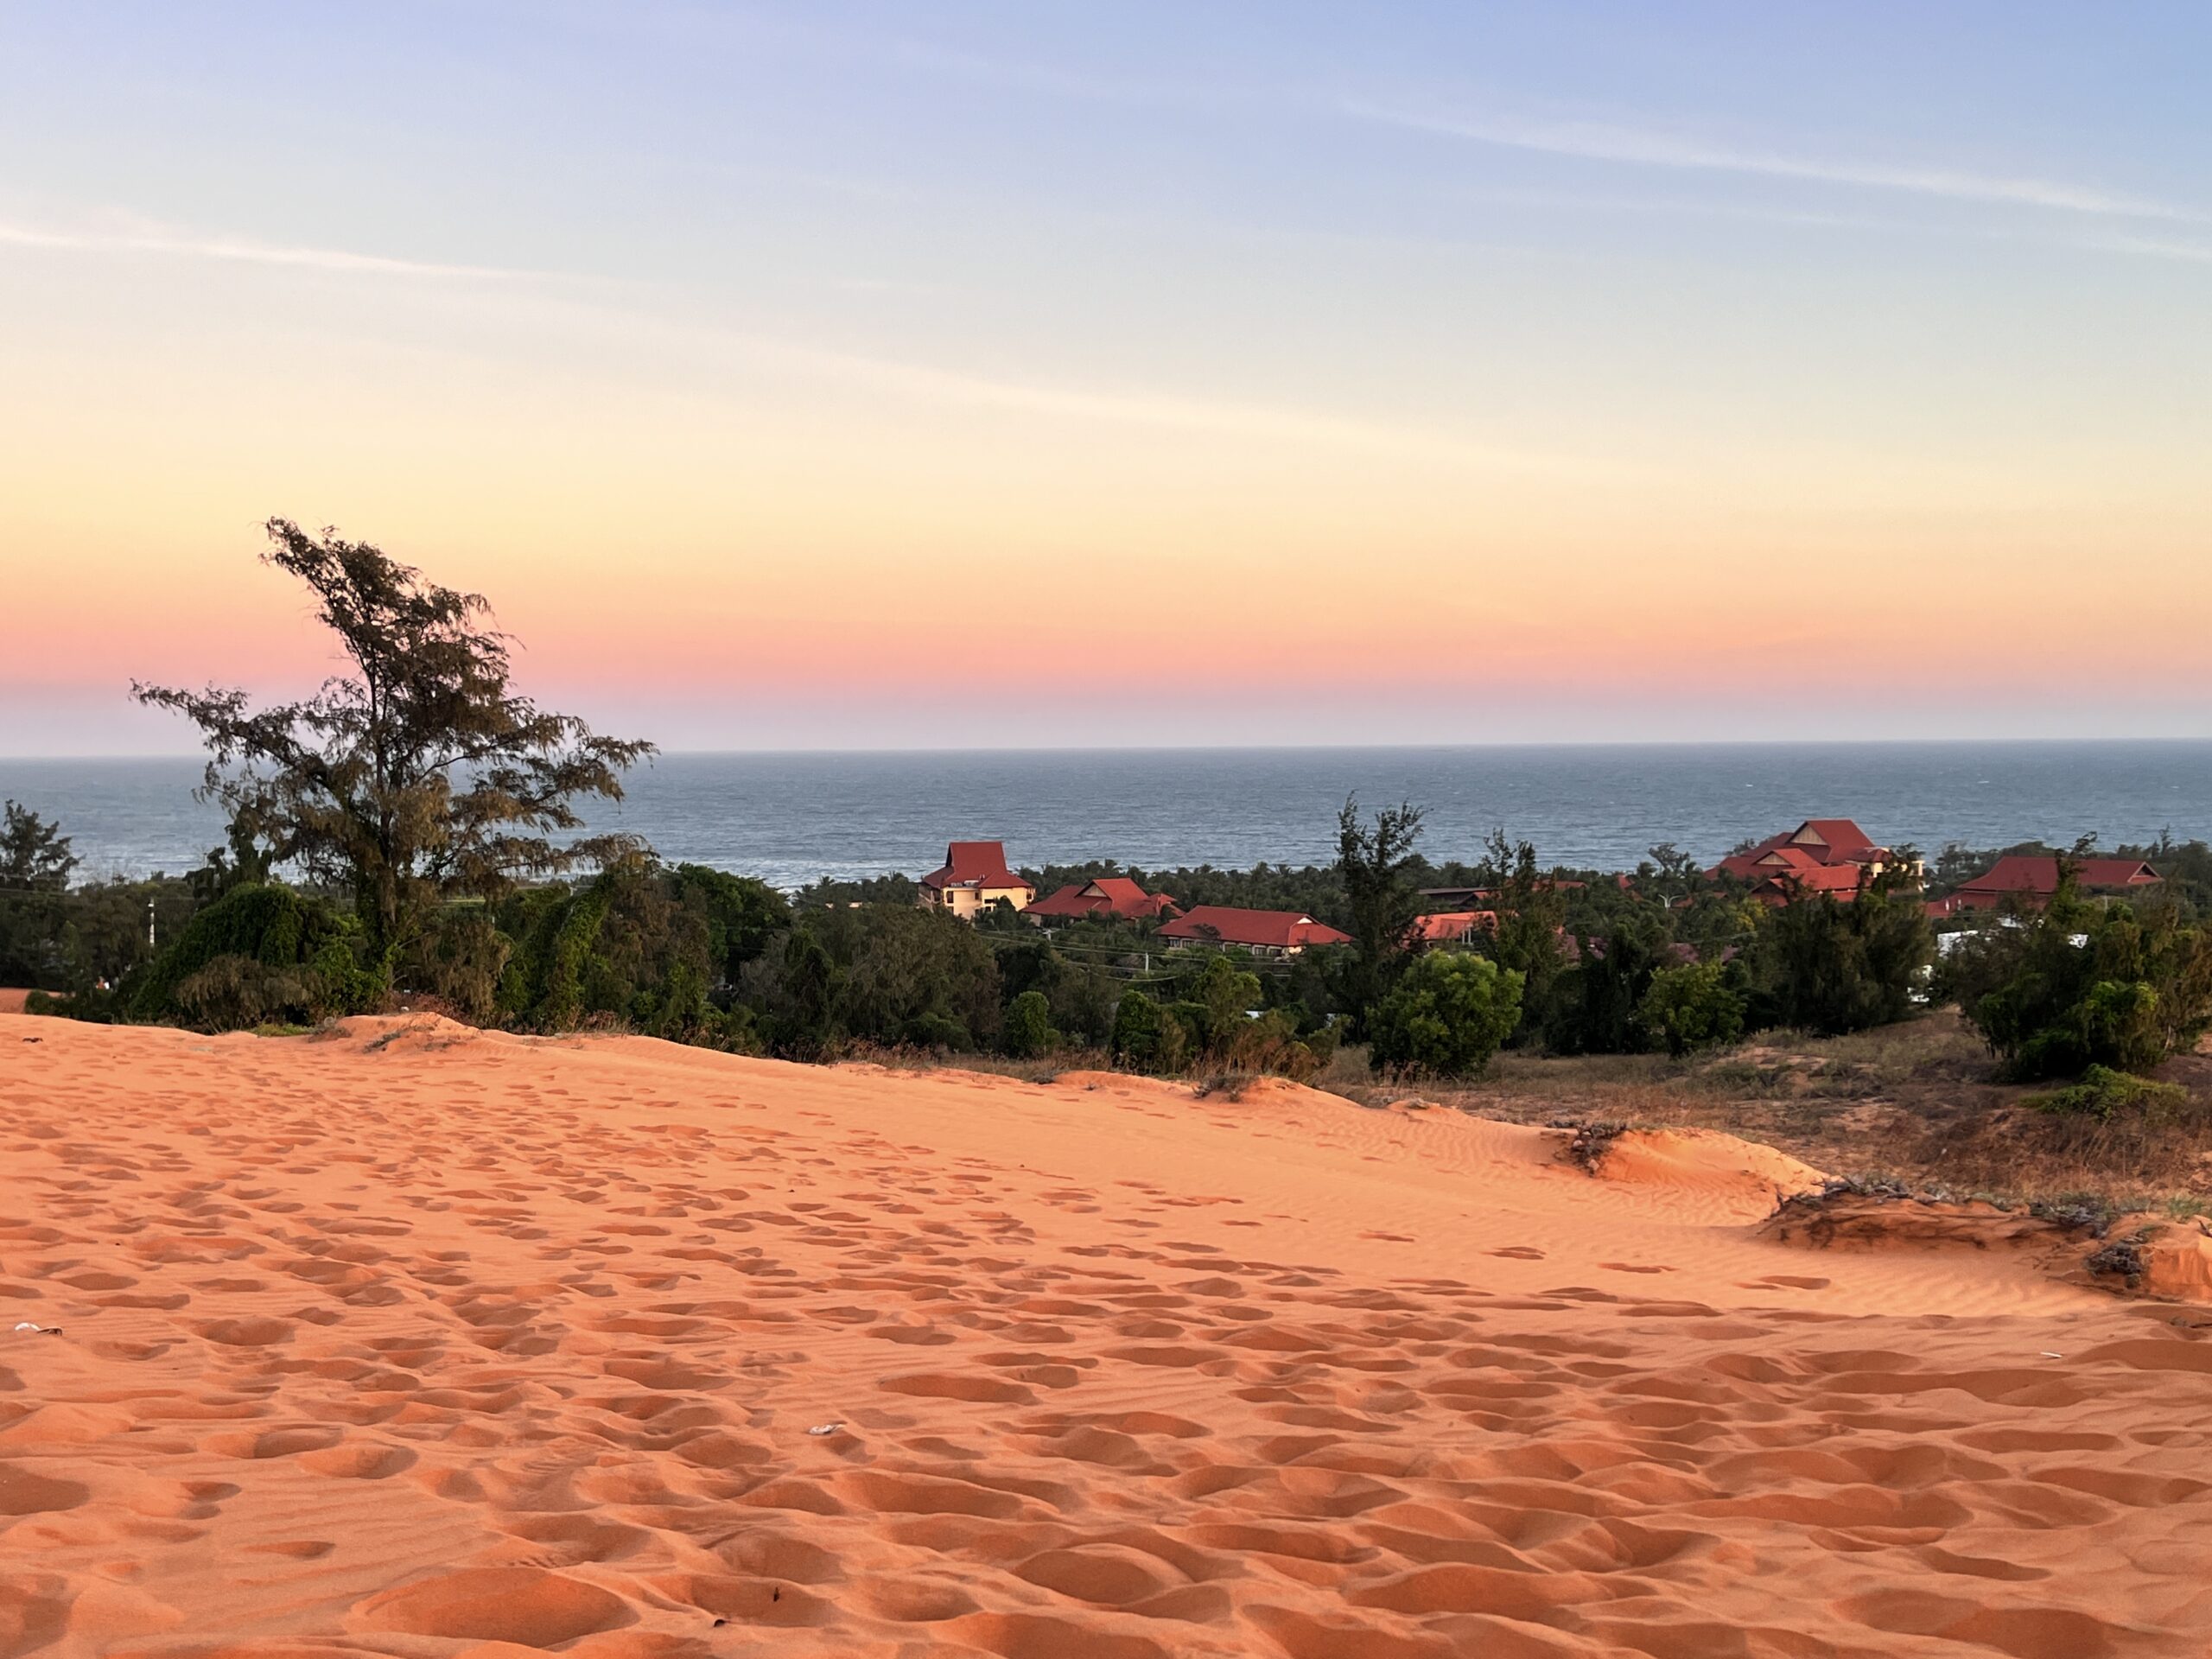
column 1291, row 747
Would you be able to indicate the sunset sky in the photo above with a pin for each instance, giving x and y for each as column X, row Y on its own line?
column 849, row 375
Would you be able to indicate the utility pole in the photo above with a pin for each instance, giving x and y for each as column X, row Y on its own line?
column 149, row 926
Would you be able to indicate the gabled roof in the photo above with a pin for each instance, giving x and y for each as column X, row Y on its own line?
column 1840, row 836
column 1815, row 843
column 1278, row 929
column 1109, row 895
column 2037, row 874
column 974, row 864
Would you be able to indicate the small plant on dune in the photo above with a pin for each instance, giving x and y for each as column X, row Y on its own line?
column 2105, row 1094
column 1591, row 1143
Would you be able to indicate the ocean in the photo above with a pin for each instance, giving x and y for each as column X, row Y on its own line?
column 792, row 817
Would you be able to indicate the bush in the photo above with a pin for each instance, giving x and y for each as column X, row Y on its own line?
column 1144, row 1038
column 1690, row 1006
column 2105, row 1094
column 1028, row 1032
column 258, row 952
column 932, row 1030
column 1447, row 1016
column 234, row 993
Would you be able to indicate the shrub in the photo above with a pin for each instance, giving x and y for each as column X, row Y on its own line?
column 234, row 993
column 932, row 1030
column 1448, row 1014
column 1144, row 1038
column 2105, row 1094
column 257, row 950
column 1689, row 1007
column 1029, row 1031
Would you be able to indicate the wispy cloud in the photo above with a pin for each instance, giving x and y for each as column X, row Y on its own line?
column 2191, row 253
column 1639, row 147
column 170, row 240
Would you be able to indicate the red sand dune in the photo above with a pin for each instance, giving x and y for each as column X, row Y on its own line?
column 420, row 1341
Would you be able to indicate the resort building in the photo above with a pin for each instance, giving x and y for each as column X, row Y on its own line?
column 975, row 877
column 1450, row 926
column 1265, row 932
column 1836, row 845
column 2029, row 881
column 1109, row 898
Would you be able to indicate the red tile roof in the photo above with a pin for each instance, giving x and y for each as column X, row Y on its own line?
column 1109, row 895
column 1278, row 929
column 1838, row 879
column 1450, row 926
column 1815, row 843
column 974, row 864
column 2032, row 876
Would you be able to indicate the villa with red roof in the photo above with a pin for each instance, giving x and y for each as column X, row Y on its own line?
column 1109, row 898
column 1831, row 855
column 1450, row 926
column 975, row 877
column 2029, row 881
column 1268, row 932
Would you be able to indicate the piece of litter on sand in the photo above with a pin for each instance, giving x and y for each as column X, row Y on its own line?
column 38, row 1329
column 826, row 1428
column 2047, row 1354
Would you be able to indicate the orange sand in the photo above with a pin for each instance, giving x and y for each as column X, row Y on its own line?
column 417, row 1342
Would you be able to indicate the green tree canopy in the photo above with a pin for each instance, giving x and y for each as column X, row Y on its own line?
column 1447, row 1015
column 2081, row 985
column 1375, row 862
column 419, row 775
column 34, row 855
column 1690, row 1005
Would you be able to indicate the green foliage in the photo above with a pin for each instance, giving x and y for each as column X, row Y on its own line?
column 740, row 912
column 34, row 855
column 2081, row 984
column 830, row 893
column 1028, row 1033
column 422, row 776
column 1690, row 1005
column 86, row 940
column 1447, row 1016
column 1145, row 1039
column 909, row 975
column 1220, row 998
column 1832, row 968
column 1594, row 1004
column 2105, row 1094
column 460, row 959
column 1531, row 912
column 258, row 953
column 1374, row 866
column 799, row 987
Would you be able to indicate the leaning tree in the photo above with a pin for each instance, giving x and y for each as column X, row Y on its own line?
column 421, row 775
